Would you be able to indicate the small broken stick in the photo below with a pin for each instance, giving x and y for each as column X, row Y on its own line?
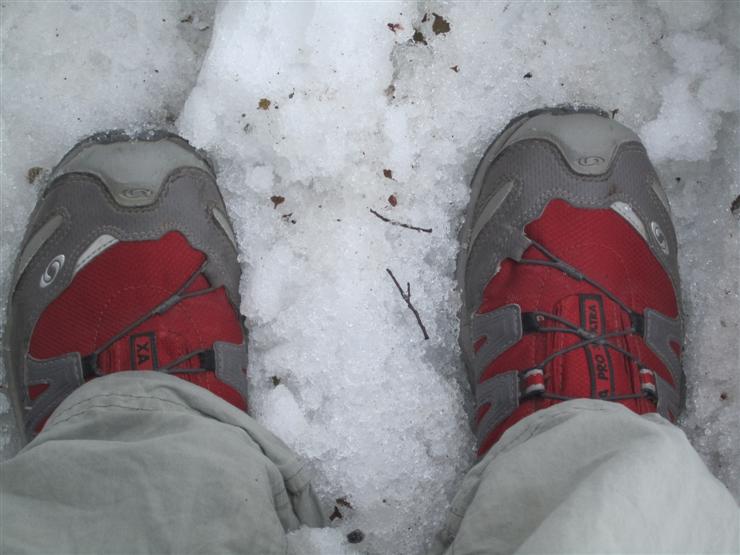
column 407, row 297
column 400, row 224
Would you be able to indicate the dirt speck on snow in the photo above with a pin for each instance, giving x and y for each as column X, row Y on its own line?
column 355, row 536
column 33, row 174
column 440, row 25
column 419, row 37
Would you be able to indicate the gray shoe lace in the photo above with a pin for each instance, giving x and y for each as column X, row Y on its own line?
column 531, row 323
column 90, row 362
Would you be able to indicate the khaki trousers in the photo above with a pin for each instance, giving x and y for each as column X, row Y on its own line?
column 141, row 462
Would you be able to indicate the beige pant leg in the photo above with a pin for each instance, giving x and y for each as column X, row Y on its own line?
column 591, row 477
column 144, row 462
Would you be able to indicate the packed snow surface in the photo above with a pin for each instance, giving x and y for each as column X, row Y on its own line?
column 323, row 117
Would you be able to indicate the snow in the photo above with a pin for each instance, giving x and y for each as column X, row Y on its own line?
column 339, row 367
column 319, row 541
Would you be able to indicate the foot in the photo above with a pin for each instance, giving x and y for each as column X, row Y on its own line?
column 129, row 263
column 569, row 274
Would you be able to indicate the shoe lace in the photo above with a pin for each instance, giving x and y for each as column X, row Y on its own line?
column 90, row 362
column 531, row 323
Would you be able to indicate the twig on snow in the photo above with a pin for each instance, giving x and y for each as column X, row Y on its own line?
column 400, row 224
column 407, row 297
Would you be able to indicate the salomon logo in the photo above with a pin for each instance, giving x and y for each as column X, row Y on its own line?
column 588, row 161
column 659, row 236
column 136, row 193
column 52, row 271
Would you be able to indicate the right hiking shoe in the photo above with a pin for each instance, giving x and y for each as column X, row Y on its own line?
column 569, row 274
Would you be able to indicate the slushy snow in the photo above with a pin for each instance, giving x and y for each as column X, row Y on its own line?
column 322, row 117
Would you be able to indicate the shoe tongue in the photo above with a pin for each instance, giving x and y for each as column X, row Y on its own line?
column 593, row 370
column 150, row 347
column 189, row 326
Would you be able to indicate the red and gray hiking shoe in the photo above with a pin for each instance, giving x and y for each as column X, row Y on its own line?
column 129, row 263
column 569, row 274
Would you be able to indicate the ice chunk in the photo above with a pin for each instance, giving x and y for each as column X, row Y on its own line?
column 706, row 82
column 719, row 91
column 320, row 541
column 687, row 14
column 684, row 129
column 694, row 55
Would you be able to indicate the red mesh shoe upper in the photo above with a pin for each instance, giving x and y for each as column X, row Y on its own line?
column 604, row 247
column 122, row 286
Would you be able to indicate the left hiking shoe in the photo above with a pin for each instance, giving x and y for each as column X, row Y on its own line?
column 129, row 262
column 569, row 274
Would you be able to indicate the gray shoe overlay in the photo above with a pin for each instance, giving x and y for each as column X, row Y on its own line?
column 589, row 161
column 110, row 188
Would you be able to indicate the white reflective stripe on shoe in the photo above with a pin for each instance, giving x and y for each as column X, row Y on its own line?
column 96, row 248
